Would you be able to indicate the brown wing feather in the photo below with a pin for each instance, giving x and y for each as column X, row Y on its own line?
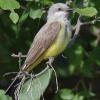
column 42, row 41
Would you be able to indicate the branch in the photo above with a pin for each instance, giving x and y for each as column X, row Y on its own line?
column 78, row 26
column 92, row 21
column 44, row 70
column 24, row 56
column 19, row 56
column 77, row 29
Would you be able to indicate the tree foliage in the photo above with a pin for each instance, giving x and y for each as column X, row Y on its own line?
column 78, row 74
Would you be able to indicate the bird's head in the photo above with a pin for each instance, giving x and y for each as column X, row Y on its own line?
column 58, row 10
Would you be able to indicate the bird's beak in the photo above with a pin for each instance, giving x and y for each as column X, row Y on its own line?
column 69, row 10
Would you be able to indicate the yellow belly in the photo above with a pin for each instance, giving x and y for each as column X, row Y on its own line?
column 58, row 45
column 55, row 48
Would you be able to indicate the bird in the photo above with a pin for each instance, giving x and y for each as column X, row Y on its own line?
column 51, row 40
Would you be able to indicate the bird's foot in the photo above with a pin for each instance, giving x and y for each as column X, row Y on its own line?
column 49, row 63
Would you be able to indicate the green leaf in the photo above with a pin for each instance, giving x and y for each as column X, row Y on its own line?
column 78, row 97
column 66, row 94
column 3, row 96
column 35, row 13
column 47, row 2
column 93, row 58
column 9, row 4
column 14, row 17
column 87, row 94
column 89, row 11
column 95, row 55
column 34, row 89
column 24, row 16
column 87, row 70
column 75, row 55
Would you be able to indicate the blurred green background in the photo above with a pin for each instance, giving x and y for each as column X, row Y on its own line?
column 78, row 74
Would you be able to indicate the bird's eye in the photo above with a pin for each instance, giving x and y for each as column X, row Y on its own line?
column 59, row 9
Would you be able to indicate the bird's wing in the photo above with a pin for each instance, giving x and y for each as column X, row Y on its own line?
column 42, row 41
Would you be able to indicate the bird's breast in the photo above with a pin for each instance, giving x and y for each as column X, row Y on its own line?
column 60, row 43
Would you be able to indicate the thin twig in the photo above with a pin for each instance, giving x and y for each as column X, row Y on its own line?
column 19, row 61
column 89, row 22
column 78, row 26
column 9, row 73
column 92, row 21
column 77, row 29
column 44, row 70
column 19, row 56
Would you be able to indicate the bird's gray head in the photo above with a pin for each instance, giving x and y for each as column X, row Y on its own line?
column 58, row 10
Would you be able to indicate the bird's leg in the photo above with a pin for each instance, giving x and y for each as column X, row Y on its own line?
column 49, row 63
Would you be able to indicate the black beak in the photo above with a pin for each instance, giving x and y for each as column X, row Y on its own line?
column 69, row 10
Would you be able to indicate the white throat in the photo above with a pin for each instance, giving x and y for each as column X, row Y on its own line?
column 58, row 16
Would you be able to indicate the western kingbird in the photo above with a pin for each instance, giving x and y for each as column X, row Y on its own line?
column 52, row 38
